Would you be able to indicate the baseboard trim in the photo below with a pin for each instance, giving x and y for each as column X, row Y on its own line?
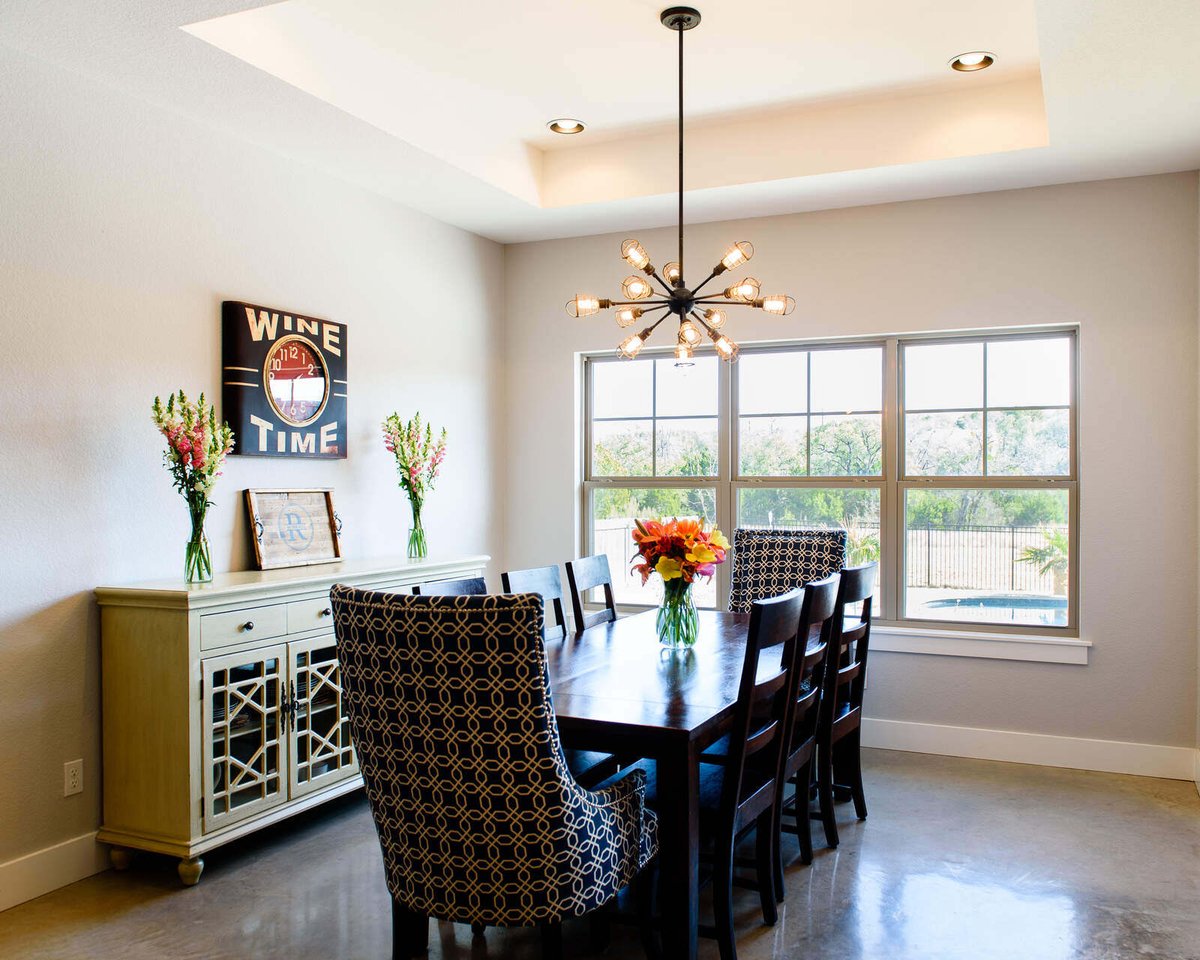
column 1076, row 753
column 44, row 870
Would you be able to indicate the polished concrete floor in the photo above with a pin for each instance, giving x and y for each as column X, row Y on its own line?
column 959, row 859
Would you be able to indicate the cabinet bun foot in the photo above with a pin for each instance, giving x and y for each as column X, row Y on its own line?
column 190, row 870
column 120, row 858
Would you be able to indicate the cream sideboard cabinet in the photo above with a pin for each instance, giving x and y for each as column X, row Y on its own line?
column 223, row 705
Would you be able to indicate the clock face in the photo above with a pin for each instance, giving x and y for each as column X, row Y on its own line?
column 296, row 380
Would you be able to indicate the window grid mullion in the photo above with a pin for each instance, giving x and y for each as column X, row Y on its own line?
column 983, row 416
column 893, row 483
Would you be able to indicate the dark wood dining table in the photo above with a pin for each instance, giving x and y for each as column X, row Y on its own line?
column 616, row 689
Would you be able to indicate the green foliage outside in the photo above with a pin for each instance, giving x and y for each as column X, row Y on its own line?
column 1024, row 442
column 1051, row 557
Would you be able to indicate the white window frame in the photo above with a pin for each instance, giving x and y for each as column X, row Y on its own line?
column 1056, row 644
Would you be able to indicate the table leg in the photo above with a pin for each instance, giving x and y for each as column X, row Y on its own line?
column 679, row 851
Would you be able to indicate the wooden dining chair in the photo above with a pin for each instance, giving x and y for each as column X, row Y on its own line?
column 582, row 576
column 467, row 587
column 839, row 725
column 738, row 788
column 487, row 830
column 816, row 624
column 546, row 582
column 589, row 767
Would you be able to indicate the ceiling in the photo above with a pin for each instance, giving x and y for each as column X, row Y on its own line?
column 790, row 106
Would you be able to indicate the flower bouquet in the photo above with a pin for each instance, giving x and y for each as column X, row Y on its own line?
column 196, row 451
column 418, row 461
column 679, row 551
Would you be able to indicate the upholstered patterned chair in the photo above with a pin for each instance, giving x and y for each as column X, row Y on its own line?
column 768, row 563
column 478, row 816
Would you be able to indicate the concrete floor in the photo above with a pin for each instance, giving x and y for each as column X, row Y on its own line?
column 959, row 859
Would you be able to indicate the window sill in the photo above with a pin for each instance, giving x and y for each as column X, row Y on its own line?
column 988, row 646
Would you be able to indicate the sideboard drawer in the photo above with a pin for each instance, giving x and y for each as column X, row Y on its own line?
column 306, row 615
column 249, row 623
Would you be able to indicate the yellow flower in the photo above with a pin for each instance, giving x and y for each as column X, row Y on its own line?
column 701, row 553
column 669, row 568
column 717, row 538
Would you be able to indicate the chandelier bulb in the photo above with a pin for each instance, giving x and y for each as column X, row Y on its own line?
column 684, row 354
column 744, row 291
column 636, row 288
column 736, row 255
column 779, row 304
column 715, row 317
column 584, row 305
column 673, row 273
column 632, row 345
column 635, row 255
column 727, row 350
column 688, row 332
column 627, row 316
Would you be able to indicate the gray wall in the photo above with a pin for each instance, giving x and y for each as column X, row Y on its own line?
column 123, row 228
column 1117, row 257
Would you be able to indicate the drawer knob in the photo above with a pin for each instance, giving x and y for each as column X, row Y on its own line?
column 248, row 625
column 327, row 612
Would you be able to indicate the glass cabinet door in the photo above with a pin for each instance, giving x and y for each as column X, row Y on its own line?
column 244, row 749
column 321, row 751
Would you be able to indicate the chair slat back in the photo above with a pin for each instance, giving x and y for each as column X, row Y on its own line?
column 816, row 625
column 545, row 582
column 583, row 575
column 466, row 587
column 850, row 641
column 756, row 739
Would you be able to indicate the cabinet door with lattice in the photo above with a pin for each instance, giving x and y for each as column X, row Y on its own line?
column 321, row 751
column 244, row 746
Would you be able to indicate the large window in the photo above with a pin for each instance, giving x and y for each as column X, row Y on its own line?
column 951, row 461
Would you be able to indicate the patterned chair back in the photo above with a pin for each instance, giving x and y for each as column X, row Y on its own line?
column 768, row 563
column 478, row 817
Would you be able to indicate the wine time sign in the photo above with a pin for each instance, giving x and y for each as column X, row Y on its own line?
column 284, row 382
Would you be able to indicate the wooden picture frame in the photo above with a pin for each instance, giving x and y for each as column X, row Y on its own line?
column 293, row 528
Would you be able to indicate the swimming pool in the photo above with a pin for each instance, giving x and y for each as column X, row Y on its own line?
column 1001, row 608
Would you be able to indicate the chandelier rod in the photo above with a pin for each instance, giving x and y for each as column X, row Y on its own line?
column 681, row 273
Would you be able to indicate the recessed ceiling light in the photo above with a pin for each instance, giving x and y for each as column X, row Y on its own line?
column 970, row 62
column 566, row 125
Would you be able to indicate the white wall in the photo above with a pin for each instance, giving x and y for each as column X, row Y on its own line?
column 1117, row 257
column 122, row 228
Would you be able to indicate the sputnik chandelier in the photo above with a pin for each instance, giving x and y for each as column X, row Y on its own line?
column 698, row 315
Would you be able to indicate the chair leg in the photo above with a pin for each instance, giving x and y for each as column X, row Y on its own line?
column 643, row 891
column 843, row 773
column 803, row 822
column 777, row 851
column 477, row 929
column 766, row 847
column 854, row 761
column 552, row 941
column 825, row 795
column 600, row 927
column 410, row 933
column 723, row 898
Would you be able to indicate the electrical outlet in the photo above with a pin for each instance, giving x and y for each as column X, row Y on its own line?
column 72, row 777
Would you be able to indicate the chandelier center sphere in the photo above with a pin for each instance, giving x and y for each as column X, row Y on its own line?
column 682, row 301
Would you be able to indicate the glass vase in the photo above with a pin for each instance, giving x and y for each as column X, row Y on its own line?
column 678, row 623
column 197, row 558
column 418, row 549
